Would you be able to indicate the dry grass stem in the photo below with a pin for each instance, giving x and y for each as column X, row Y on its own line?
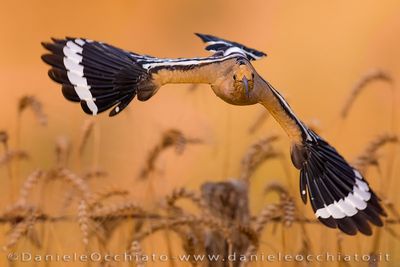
column 187, row 194
column 305, row 249
column 275, row 187
column 288, row 210
column 170, row 138
column 258, row 153
column 209, row 222
column 374, row 75
column 391, row 207
column 266, row 215
column 370, row 155
column 286, row 202
column 392, row 232
column 27, row 186
column 137, row 252
column 190, row 246
column 11, row 155
column 107, row 193
column 35, row 105
column 119, row 209
column 62, row 149
column 87, row 129
column 83, row 220
column 261, row 118
column 373, row 260
column 93, row 174
column 3, row 138
column 339, row 243
column 22, row 227
column 77, row 182
column 251, row 250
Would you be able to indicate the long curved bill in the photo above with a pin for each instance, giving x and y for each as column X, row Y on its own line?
column 246, row 86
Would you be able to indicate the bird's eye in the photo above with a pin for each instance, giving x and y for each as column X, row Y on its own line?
column 252, row 75
column 234, row 77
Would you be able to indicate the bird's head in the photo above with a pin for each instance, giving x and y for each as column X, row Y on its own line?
column 243, row 76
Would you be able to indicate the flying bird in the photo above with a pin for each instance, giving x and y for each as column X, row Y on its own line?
column 102, row 77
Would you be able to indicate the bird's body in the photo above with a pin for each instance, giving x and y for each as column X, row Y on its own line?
column 219, row 75
column 103, row 77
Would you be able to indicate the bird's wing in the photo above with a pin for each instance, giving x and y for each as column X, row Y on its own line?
column 339, row 195
column 101, row 76
column 225, row 47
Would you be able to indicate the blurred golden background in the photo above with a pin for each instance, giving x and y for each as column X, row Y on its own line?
column 317, row 51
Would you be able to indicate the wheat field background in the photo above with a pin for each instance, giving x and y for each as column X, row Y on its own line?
column 318, row 52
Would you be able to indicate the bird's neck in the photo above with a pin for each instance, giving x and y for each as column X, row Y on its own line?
column 282, row 112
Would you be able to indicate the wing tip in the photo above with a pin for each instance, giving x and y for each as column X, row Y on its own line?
column 202, row 36
column 341, row 194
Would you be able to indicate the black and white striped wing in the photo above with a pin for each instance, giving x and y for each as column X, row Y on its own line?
column 97, row 75
column 339, row 195
column 225, row 47
column 102, row 77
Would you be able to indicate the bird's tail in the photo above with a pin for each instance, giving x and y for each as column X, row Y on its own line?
column 97, row 75
column 339, row 195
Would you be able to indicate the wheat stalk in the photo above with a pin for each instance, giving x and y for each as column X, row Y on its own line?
column 256, row 154
column 251, row 250
column 286, row 202
column 77, row 182
column 339, row 241
column 305, row 248
column 94, row 173
column 62, row 149
column 83, row 220
column 266, row 215
column 86, row 131
column 137, row 252
column 373, row 75
column 21, row 227
column 373, row 260
column 11, row 155
column 288, row 210
column 35, row 105
column 369, row 156
column 4, row 138
column 169, row 138
column 115, row 210
column 209, row 222
column 106, row 194
column 188, row 194
column 27, row 186
column 261, row 118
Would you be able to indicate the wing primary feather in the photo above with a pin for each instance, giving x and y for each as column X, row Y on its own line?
column 339, row 195
column 97, row 75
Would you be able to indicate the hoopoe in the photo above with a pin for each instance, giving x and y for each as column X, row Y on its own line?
column 103, row 77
